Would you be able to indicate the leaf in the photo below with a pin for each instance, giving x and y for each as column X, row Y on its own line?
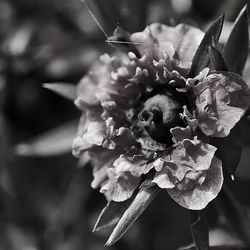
column 113, row 211
column 236, row 49
column 201, row 59
column 199, row 227
column 138, row 205
column 55, row 142
column 111, row 214
column 230, row 148
column 64, row 89
column 217, row 60
column 233, row 211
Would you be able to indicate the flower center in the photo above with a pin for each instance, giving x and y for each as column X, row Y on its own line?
column 159, row 114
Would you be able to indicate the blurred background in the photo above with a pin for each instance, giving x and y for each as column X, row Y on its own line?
column 46, row 202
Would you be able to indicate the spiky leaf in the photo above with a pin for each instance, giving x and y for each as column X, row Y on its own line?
column 111, row 214
column 230, row 148
column 236, row 49
column 217, row 60
column 55, row 142
column 144, row 197
column 64, row 89
column 201, row 58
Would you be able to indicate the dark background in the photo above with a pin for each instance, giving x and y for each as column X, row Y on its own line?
column 46, row 202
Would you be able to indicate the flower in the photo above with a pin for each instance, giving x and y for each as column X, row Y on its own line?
column 144, row 116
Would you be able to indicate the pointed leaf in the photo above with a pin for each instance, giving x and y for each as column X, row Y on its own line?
column 111, row 215
column 199, row 227
column 64, row 89
column 230, row 148
column 236, row 49
column 55, row 142
column 201, row 59
column 138, row 205
column 217, row 60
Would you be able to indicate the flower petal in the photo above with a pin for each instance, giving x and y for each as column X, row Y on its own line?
column 102, row 160
column 201, row 153
column 165, row 178
column 96, row 86
column 178, row 42
column 201, row 195
column 92, row 134
column 120, row 187
column 134, row 165
column 221, row 100
column 180, row 133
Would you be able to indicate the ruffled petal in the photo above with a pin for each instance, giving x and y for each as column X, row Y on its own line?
column 96, row 80
column 180, row 133
column 92, row 134
column 120, row 187
column 186, row 44
column 199, row 197
column 169, row 175
column 100, row 175
column 178, row 43
column 201, row 153
column 186, row 167
column 117, row 137
column 221, row 100
column 102, row 159
column 135, row 165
